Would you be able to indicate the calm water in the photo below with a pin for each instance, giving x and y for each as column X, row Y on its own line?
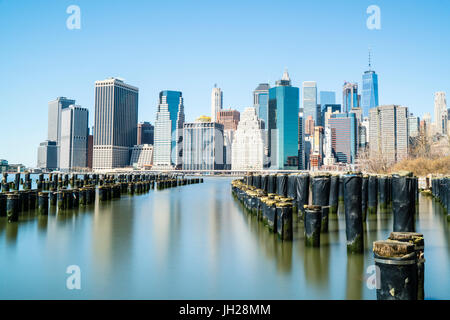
column 195, row 242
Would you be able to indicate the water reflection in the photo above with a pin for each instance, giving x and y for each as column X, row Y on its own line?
column 196, row 242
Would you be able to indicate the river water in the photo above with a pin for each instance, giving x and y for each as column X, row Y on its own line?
column 195, row 242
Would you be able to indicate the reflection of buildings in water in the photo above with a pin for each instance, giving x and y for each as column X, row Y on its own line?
column 215, row 225
column 356, row 278
column 112, row 237
column 165, row 225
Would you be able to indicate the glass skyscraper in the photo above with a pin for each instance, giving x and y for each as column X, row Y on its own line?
column 310, row 106
column 169, row 130
column 283, row 124
column 369, row 97
column 350, row 97
column 327, row 97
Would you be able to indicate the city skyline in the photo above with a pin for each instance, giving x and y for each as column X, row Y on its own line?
column 34, row 55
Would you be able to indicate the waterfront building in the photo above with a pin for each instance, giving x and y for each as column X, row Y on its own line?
column 169, row 123
column 350, row 97
column 145, row 133
column 115, row 124
column 318, row 144
column 413, row 126
column 248, row 143
column 216, row 102
column 142, row 156
column 440, row 112
column 74, row 138
column 309, row 103
column 389, row 132
column 55, row 108
column 283, row 124
column 48, row 155
column 344, row 136
column 203, row 145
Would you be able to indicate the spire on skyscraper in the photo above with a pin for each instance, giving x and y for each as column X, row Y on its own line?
column 285, row 76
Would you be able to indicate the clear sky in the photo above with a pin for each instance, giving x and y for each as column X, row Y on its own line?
column 190, row 45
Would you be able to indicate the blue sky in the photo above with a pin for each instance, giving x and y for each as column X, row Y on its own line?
column 191, row 45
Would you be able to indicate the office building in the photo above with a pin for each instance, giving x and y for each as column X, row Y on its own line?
column 369, row 95
column 216, row 102
column 310, row 106
column 145, row 133
column 261, row 102
column 48, row 155
column 327, row 110
column 440, row 113
column 203, row 145
column 229, row 119
column 142, row 156
column 327, row 97
column 169, row 123
column 283, row 124
column 248, row 143
column 350, row 97
column 115, row 124
column 74, row 138
column 344, row 136
column 389, row 133
column 413, row 126
column 55, row 108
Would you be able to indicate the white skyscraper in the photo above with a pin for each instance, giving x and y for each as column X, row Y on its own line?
column 216, row 102
column 248, row 143
column 440, row 112
column 74, row 137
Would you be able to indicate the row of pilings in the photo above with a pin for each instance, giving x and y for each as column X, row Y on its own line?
column 440, row 189
column 275, row 198
column 68, row 192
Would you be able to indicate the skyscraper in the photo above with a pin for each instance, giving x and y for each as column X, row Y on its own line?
column 74, row 137
column 327, row 110
column 327, row 97
column 216, row 102
column 169, row 130
column 389, row 132
column 344, row 136
column 369, row 97
column 310, row 106
column 301, row 142
column 440, row 112
column 229, row 119
column 350, row 97
column 47, row 155
column 145, row 133
column 116, row 117
column 248, row 143
column 283, row 124
column 55, row 108
column 413, row 125
column 203, row 145
column 261, row 102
